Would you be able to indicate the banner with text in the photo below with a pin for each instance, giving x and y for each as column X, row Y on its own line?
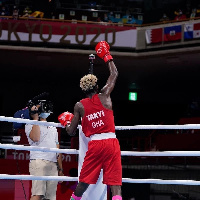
column 66, row 33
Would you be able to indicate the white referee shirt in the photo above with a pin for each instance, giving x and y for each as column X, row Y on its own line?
column 48, row 138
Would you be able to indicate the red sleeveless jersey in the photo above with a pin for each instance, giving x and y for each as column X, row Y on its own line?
column 97, row 119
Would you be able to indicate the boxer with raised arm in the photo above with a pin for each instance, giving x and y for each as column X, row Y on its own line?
column 98, row 124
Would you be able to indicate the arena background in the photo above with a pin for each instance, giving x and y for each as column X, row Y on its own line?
column 166, row 83
column 165, row 76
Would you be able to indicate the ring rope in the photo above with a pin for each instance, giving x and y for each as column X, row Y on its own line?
column 136, row 127
column 123, row 153
column 43, row 149
column 31, row 177
column 163, row 153
column 124, row 180
column 27, row 121
column 161, row 127
column 160, row 181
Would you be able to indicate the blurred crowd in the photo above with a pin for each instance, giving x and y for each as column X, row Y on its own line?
column 53, row 9
column 8, row 8
column 49, row 8
column 181, row 15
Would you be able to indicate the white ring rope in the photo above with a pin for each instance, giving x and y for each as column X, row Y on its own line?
column 150, row 127
column 136, row 127
column 124, row 180
column 43, row 149
column 123, row 153
column 163, row 153
column 160, row 181
column 28, row 121
column 31, row 177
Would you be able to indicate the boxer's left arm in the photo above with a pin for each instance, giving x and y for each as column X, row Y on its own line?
column 72, row 127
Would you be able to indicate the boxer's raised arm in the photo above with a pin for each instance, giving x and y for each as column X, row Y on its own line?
column 110, row 84
column 102, row 49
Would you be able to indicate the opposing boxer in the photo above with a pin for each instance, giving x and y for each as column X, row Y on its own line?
column 98, row 124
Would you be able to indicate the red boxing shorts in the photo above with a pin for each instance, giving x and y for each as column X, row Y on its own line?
column 102, row 154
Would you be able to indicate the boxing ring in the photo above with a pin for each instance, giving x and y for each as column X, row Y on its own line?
column 100, row 188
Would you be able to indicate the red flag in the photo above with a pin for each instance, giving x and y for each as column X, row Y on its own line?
column 154, row 35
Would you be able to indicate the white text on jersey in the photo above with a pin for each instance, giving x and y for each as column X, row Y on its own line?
column 95, row 115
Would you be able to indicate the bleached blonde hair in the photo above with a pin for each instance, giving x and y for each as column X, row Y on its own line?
column 88, row 82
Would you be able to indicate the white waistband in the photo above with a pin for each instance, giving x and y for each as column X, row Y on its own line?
column 102, row 136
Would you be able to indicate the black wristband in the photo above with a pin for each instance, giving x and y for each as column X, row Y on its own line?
column 60, row 170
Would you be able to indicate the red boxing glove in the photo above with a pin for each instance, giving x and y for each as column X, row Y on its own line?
column 65, row 118
column 102, row 49
column 105, row 44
